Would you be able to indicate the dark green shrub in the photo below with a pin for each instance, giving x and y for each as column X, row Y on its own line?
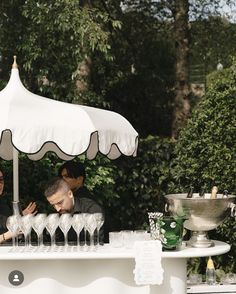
column 141, row 183
column 206, row 149
column 205, row 154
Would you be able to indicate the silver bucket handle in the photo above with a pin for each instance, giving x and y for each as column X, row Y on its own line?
column 233, row 209
column 166, row 207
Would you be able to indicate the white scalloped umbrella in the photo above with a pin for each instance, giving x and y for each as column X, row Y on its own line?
column 34, row 125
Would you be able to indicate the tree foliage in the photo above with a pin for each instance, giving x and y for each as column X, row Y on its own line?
column 132, row 52
column 207, row 51
column 130, row 45
column 51, row 40
column 178, row 14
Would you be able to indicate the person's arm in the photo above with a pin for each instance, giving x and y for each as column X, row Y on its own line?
column 6, row 236
column 30, row 209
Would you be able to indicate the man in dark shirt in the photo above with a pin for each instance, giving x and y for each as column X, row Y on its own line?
column 61, row 197
column 74, row 174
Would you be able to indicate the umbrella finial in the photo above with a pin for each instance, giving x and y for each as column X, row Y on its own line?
column 14, row 65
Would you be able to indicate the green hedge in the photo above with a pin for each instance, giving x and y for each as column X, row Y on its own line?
column 141, row 183
column 205, row 154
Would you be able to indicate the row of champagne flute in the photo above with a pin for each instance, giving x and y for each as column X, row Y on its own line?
column 81, row 221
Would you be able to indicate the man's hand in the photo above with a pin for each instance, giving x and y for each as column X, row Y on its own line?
column 30, row 209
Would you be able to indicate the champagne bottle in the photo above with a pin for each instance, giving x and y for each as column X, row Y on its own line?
column 225, row 194
column 214, row 192
column 202, row 193
column 190, row 193
column 210, row 272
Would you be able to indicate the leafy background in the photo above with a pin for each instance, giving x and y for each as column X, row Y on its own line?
column 131, row 58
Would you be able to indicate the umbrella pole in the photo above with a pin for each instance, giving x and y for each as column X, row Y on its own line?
column 15, row 175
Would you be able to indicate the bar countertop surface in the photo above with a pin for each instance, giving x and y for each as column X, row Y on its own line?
column 104, row 252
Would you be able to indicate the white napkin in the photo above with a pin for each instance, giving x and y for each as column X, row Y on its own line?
column 148, row 269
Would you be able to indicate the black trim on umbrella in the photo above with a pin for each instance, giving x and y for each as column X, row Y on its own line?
column 72, row 155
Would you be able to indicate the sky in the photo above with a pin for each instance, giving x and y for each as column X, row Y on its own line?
column 229, row 11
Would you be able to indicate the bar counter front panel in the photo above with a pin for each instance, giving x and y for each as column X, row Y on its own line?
column 106, row 271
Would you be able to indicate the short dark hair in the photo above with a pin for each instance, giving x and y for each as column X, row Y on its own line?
column 74, row 169
column 54, row 185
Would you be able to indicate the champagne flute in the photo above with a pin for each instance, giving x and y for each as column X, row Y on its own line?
column 99, row 217
column 25, row 225
column 51, row 226
column 38, row 224
column 12, row 224
column 65, row 221
column 90, row 225
column 78, row 225
column 85, row 216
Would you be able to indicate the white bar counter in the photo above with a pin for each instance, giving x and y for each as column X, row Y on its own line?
column 106, row 271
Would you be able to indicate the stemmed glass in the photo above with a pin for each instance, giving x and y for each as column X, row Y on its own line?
column 99, row 217
column 84, row 216
column 13, row 226
column 52, row 222
column 25, row 225
column 38, row 224
column 78, row 225
column 65, row 221
column 90, row 225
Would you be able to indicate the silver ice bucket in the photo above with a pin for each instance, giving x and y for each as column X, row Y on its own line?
column 201, row 214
